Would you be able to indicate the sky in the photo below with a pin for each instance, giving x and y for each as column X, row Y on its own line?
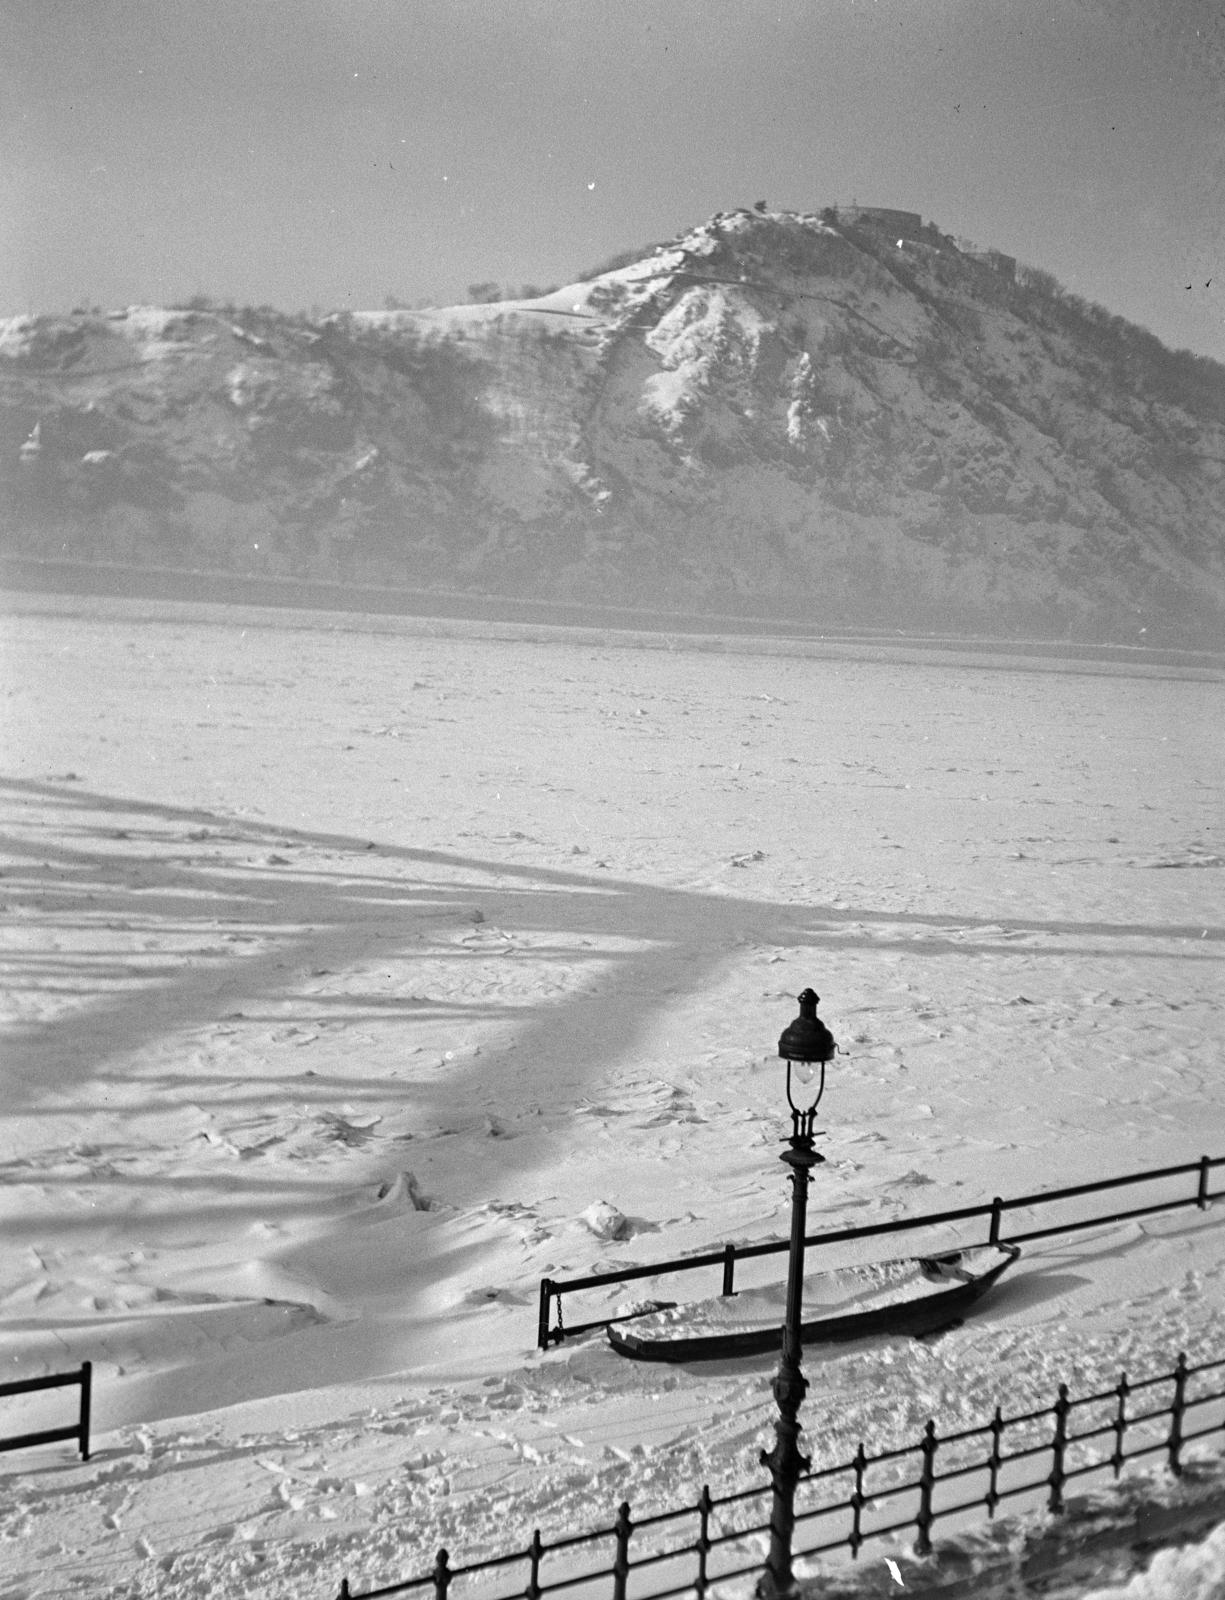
column 332, row 153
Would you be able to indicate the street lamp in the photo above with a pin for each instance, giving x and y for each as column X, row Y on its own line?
column 806, row 1045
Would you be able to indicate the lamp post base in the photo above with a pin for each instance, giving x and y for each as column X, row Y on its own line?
column 787, row 1464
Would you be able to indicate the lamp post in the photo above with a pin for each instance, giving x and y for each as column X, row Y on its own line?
column 806, row 1045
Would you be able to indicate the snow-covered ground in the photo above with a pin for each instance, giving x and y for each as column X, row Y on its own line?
column 349, row 962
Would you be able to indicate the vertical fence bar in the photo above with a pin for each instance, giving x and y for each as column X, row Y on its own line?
column 1201, row 1198
column 534, row 1552
column 729, row 1269
column 87, row 1383
column 925, row 1516
column 542, row 1321
column 1120, row 1424
column 855, row 1538
column 994, row 1461
column 997, row 1207
column 1178, row 1408
column 705, row 1507
column 442, row 1576
column 1059, row 1446
column 621, row 1562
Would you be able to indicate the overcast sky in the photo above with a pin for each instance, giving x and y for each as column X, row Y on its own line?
column 333, row 152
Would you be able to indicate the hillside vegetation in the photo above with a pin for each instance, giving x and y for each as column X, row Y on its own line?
column 792, row 415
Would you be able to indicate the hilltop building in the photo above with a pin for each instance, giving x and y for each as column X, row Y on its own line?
column 905, row 224
column 1006, row 266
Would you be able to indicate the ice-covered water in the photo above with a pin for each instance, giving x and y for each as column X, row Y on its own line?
column 347, row 967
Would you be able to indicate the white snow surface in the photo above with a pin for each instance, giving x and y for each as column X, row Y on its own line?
column 360, row 972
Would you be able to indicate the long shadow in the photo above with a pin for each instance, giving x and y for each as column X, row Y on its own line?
column 600, row 885
column 304, row 915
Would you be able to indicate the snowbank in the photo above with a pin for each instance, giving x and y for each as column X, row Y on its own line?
column 1149, row 1537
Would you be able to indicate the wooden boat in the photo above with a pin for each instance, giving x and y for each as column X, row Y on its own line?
column 913, row 1295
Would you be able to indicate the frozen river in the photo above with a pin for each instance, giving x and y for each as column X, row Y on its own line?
column 347, row 964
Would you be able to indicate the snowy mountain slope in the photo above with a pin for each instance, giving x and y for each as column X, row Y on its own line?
column 804, row 415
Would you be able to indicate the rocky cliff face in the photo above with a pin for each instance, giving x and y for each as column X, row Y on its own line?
column 779, row 414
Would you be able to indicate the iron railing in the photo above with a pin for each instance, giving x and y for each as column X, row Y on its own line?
column 60, row 1380
column 885, row 1493
column 727, row 1255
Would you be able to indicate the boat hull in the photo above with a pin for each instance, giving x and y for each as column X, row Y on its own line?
column 929, row 1292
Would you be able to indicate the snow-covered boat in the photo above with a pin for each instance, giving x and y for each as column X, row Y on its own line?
column 914, row 1295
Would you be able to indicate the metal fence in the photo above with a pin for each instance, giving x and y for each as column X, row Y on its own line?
column 60, row 1380
column 727, row 1256
column 715, row 1541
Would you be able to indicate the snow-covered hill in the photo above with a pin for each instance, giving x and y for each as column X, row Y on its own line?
column 843, row 417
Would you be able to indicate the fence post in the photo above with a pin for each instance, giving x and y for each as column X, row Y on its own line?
column 87, row 1375
column 442, row 1576
column 1059, row 1445
column 705, row 1507
column 994, row 1461
column 927, row 1482
column 857, row 1501
column 621, row 1562
column 1120, row 1423
column 542, row 1321
column 1201, row 1198
column 729, row 1269
column 534, row 1551
column 997, row 1206
column 345, row 1593
column 1178, row 1408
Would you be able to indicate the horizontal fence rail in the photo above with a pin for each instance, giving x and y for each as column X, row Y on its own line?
column 727, row 1255
column 689, row 1548
column 60, row 1380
